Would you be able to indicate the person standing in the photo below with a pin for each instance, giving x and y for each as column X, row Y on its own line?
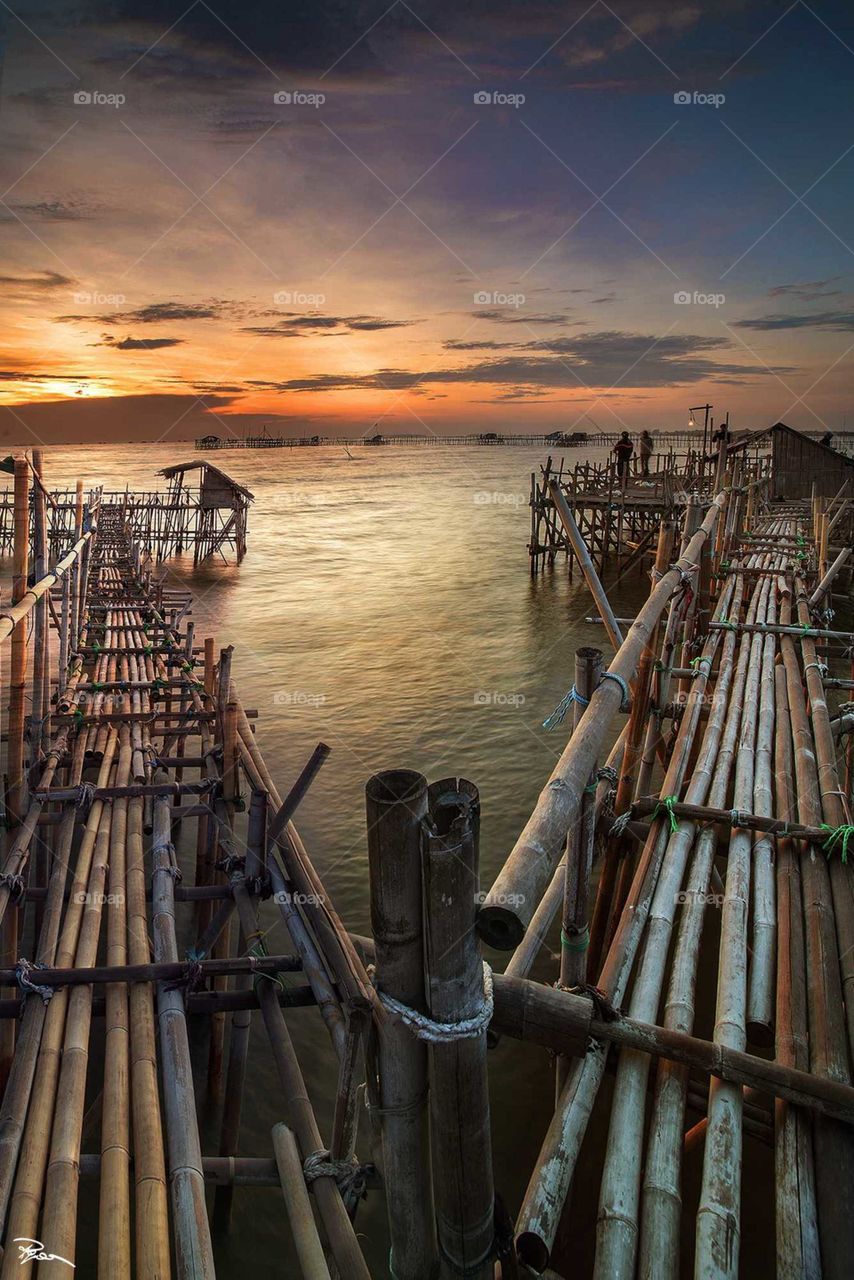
column 623, row 451
column 646, row 447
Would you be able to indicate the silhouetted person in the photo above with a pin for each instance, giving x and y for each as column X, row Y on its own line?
column 646, row 447
column 827, row 439
column 623, row 451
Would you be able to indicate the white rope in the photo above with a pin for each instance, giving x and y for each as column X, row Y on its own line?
column 620, row 823
column 426, row 1028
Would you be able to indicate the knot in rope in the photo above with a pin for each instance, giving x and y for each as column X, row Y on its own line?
column 607, row 1011
column 838, row 836
column 626, row 702
column 191, row 979
column 230, row 863
column 171, row 868
column 563, row 706
column 697, row 664
column 666, row 803
column 426, row 1028
column 22, row 971
column 85, row 796
column 737, row 818
column 621, row 822
column 820, row 667
column 607, row 773
column 350, row 1176
column 261, row 886
column 14, row 883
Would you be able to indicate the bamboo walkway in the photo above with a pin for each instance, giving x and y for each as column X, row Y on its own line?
column 694, row 832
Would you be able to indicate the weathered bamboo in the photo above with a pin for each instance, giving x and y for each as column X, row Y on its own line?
column 531, row 863
column 303, row 1229
column 454, row 976
column 396, row 804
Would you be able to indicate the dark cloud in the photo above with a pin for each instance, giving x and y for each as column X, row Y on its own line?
column 49, row 211
column 159, row 313
column 138, row 344
column 521, row 317
column 588, row 360
column 809, row 291
column 834, row 321
column 298, row 324
column 25, row 286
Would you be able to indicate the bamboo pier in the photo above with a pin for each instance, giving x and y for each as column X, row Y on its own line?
column 688, row 858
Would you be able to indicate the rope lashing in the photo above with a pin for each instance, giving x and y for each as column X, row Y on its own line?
column 350, row 1176
column 666, row 803
column 189, row 981
column 737, row 818
column 575, row 942
column 607, row 773
column 14, row 883
column 167, row 849
column 426, row 1028
column 607, row 1011
column 626, row 702
column 22, row 971
column 563, row 706
column 697, row 664
column 839, row 836
column 727, row 625
column 230, row 862
column 820, row 667
column 259, row 951
column 84, row 798
column 620, row 823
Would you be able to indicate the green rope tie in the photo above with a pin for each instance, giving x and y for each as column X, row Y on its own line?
column 838, row 835
column 96, row 647
column 727, row 625
column 157, row 683
column 696, row 663
column 725, row 564
column 149, row 648
column 78, row 716
column 575, row 942
column 800, row 555
column 259, row 950
column 806, row 628
column 667, row 803
column 96, row 684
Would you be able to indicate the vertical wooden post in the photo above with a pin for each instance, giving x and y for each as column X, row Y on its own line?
column 227, row 724
column 574, row 933
column 76, row 600
column 459, row 1091
column 40, row 701
column 396, row 804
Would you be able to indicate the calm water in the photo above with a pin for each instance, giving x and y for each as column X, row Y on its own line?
column 385, row 607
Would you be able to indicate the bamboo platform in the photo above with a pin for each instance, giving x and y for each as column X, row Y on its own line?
column 708, row 845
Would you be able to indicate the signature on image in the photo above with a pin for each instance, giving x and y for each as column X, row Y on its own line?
column 33, row 1251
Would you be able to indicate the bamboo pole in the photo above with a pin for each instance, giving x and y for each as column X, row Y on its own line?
column 586, row 563
column 454, row 976
column 396, row 803
column 298, row 1205
column 533, row 858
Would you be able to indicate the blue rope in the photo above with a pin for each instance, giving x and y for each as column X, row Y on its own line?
column 624, row 688
column 563, row 706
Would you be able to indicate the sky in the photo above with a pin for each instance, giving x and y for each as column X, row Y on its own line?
column 336, row 218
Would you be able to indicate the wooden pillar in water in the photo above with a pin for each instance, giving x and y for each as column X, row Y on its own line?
column 459, row 1091
column 396, row 803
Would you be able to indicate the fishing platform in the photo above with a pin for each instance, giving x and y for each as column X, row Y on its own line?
column 674, row 924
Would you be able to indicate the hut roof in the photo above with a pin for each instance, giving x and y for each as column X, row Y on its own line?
column 181, row 467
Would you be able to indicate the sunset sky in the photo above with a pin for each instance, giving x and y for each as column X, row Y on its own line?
column 423, row 217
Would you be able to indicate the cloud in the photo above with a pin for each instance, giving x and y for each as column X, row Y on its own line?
column 138, row 344
column 591, row 360
column 39, row 282
column 832, row 321
column 298, row 324
column 808, row 291
column 159, row 313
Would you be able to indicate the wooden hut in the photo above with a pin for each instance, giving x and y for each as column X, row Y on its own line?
column 798, row 463
column 222, row 505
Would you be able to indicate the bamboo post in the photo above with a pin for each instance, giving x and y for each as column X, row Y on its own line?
column 298, row 1205
column 586, row 563
column 396, row 803
column 459, row 1094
